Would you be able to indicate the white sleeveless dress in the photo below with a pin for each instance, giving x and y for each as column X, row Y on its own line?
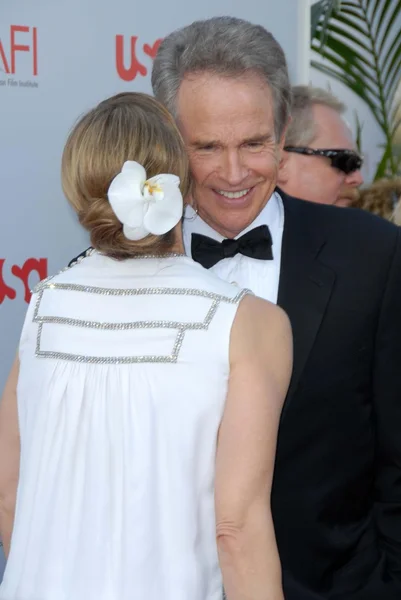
column 123, row 378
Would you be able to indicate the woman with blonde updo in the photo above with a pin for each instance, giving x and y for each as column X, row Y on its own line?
column 139, row 422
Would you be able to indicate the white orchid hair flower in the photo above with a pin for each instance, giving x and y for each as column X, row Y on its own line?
column 145, row 206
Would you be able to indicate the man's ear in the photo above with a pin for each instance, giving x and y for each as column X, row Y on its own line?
column 283, row 165
column 188, row 198
column 285, row 132
column 283, row 169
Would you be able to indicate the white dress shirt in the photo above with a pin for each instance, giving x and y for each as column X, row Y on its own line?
column 260, row 276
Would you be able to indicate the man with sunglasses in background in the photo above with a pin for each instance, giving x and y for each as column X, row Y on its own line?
column 319, row 162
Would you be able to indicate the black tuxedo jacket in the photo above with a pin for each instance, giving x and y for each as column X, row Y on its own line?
column 336, row 495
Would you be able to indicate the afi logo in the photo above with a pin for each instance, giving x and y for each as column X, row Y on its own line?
column 18, row 34
column 134, row 68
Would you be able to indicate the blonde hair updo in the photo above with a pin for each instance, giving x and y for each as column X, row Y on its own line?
column 128, row 126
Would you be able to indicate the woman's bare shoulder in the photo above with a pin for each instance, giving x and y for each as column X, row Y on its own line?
column 256, row 315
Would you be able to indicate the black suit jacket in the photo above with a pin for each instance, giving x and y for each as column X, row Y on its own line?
column 336, row 495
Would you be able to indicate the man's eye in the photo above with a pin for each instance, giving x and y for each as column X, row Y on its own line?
column 206, row 147
column 254, row 144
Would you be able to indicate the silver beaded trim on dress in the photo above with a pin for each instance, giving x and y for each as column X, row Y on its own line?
column 179, row 326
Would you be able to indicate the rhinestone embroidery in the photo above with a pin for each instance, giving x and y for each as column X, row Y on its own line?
column 179, row 326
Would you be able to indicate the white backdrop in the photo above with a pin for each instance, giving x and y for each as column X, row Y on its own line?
column 58, row 59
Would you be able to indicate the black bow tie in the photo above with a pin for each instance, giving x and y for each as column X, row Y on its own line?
column 257, row 243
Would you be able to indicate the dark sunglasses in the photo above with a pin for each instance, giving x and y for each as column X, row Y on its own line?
column 346, row 161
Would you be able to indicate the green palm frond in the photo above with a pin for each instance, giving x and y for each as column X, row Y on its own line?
column 360, row 42
column 358, row 136
column 321, row 13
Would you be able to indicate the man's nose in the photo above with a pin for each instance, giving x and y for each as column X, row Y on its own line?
column 354, row 179
column 234, row 170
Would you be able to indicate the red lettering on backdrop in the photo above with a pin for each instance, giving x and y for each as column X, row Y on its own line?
column 3, row 58
column 38, row 265
column 30, row 265
column 5, row 290
column 152, row 50
column 135, row 67
column 14, row 48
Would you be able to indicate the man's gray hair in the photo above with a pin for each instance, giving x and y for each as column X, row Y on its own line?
column 224, row 46
column 302, row 128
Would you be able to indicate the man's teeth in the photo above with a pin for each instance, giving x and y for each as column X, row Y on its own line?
column 234, row 194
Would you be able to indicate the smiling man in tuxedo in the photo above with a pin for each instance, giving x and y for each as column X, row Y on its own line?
column 337, row 273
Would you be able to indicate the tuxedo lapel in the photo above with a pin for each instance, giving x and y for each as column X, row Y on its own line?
column 305, row 283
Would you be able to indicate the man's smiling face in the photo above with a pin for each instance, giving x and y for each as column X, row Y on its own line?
column 228, row 127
